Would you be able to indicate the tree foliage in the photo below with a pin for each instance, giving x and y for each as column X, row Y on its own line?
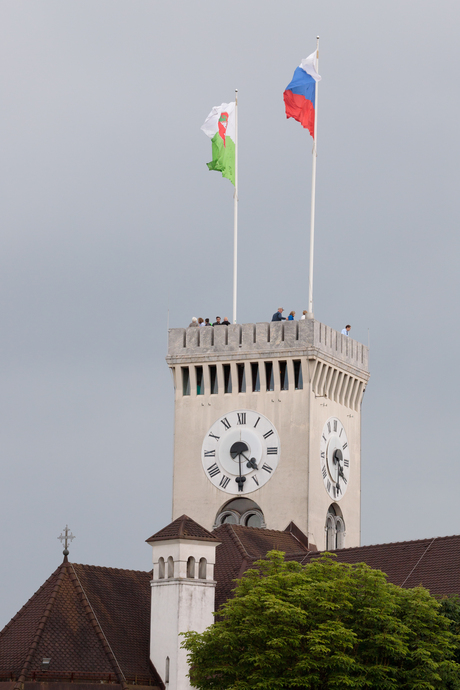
column 323, row 626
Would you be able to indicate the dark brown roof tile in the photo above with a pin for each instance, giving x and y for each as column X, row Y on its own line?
column 183, row 528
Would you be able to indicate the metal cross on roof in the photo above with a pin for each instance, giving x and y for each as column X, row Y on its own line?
column 65, row 538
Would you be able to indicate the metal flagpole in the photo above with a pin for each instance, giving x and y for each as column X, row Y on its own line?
column 313, row 193
column 235, row 211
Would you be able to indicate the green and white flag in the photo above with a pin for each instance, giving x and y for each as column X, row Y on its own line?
column 220, row 128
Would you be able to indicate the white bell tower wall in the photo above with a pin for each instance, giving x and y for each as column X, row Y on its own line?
column 183, row 591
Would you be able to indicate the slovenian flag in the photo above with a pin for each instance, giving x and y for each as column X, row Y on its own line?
column 220, row 128
column 299, row 97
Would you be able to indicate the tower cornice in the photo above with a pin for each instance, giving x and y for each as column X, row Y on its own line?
column 268, row 340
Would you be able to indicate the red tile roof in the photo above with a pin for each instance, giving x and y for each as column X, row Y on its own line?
column 93, row 623
column 433, row 563
column 183, row 528
column 240, row 546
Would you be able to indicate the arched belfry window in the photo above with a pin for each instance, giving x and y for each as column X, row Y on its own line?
column 190, row 567
column 202, row 569
column 334, row 528
column 240, row 511
column 170, row 567
column 161, row 568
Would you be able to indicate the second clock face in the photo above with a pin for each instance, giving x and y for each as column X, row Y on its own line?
column 335, row 458
column 240, row 452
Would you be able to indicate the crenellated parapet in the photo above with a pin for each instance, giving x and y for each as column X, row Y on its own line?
column 267, row 340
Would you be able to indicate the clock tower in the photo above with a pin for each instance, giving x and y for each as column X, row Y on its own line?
column 267, row 427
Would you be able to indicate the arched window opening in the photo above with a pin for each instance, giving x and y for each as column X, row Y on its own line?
column 253, row 518
column 191, row 567
column 228, row 517
column 340, row 533
column 161, row 568
column 202, row 569
column 335, row 528
column 167, row 670
column 330, row 533
column 240, row 511
column 170, row 567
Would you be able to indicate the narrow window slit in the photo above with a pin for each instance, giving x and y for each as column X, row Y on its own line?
column 255, row 377
column 227, row 378
column 241, row 378
column 199, row 381
column 213, row 377
column 185, row 381
column 269, row 375
column 298, row 380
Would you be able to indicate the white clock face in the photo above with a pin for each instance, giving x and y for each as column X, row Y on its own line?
column 335, row 458
column 240, row 452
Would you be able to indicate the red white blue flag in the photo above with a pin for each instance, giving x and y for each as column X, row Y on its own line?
column 299, row 96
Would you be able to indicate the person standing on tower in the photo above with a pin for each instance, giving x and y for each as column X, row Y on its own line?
column 217, row 321
column 277, row 316
column 346, row 329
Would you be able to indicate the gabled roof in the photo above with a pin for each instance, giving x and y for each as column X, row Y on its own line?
column 241, row 546
column 433, row 563
column 183, row 527
column 92, row 622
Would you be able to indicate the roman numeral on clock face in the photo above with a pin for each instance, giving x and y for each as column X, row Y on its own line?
column 324, row 471
column 258, row 420
column 323, row 454
column 226, row 423
column 328, row 427
column 335, row 425
column 224, row 482
column 241, row 417
column 255, row 479
column 267, row 468
column 344, row 446
column 328, row 486
column 209, row 453
column 214, row 436
column 213, row 470
column 269, row 433
column 272, row 451
column 346, row 462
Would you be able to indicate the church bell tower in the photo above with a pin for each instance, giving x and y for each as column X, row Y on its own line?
column 267, row 427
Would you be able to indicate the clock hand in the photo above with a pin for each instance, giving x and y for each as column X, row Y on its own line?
column 240, row 480
column 251, row 462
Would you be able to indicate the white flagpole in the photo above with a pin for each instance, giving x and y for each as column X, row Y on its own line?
column 235, row 211
column 313, row 194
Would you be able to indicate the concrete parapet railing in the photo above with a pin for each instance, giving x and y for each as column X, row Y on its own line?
column 266, row 339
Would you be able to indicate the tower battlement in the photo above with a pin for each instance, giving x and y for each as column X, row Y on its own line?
column 266, row 340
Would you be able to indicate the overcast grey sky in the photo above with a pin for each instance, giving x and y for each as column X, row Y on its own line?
column 109, row 216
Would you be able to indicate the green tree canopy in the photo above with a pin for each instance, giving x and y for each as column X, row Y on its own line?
column 322, row 626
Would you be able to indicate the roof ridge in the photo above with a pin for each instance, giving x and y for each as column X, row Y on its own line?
column 16, row 615
column 41, row 627
column 75, row 580
column 407, row 541
column 238, row 541
column 109, row 567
